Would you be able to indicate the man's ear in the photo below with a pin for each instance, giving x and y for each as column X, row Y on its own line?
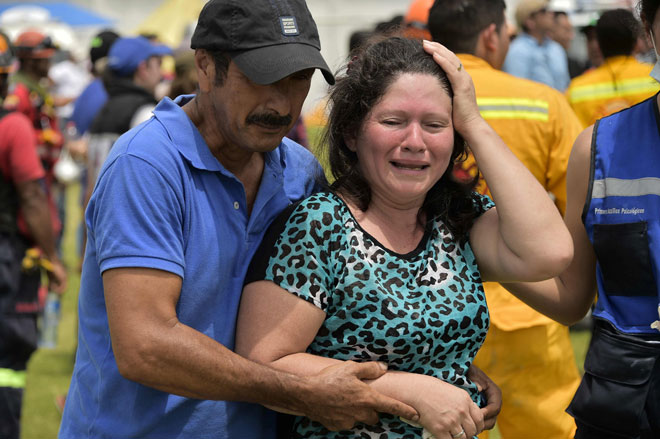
column 490, row 38
column 205, row 70
column 140, row 70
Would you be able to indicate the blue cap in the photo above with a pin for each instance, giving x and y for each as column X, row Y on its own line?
column 127, row 53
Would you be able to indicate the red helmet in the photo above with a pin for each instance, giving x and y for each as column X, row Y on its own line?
column 34, row 44
column 417, row 18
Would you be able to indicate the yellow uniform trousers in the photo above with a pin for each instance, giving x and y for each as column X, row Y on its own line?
column 534, row 381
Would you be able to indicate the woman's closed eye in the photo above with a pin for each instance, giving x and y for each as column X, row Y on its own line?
column 392, row 122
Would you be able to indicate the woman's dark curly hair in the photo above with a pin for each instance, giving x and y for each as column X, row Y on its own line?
column 372, row 69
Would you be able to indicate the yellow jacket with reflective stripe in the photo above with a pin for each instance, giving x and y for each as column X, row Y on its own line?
column 538, row 125
column 619, row 83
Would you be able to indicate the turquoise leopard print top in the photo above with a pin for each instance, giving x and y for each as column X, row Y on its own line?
column 422, row 312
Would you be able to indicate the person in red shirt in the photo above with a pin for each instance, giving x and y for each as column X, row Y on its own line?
column 25, row 222
column 28, row 94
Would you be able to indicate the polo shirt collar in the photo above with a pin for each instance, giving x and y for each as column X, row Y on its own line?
column 189, row 141
column 470, row 61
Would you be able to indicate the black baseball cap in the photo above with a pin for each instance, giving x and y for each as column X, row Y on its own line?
column 100, row 44
column 267, row 39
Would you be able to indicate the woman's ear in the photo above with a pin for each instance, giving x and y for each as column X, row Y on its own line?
column 350, row 143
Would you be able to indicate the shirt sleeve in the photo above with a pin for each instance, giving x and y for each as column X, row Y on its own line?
column 295, row 254
column 482, row 203
column 135, row 217
column 24, row 161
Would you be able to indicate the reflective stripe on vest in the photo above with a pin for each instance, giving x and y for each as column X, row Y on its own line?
column 513, row 108
column 608, row 90
column 12, row 378
column 617, row 187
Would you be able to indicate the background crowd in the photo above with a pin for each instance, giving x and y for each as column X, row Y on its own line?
column 61, row 116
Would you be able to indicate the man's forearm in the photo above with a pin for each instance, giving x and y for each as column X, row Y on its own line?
column 34, row 206
column 182, row 361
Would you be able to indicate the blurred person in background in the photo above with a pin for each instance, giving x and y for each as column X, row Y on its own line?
column 525, row 353
column 594, row 55
column 25, row 222
column 94, row 96
column 563, row 32
column 415, row 21
column 613, row 214
column 533, row 55
column 29, row 94
column 621, row 80
column 68, row 80
column 644, row 51
column 132, row 73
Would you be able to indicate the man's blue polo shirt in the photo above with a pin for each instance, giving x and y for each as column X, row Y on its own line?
column 163, row 201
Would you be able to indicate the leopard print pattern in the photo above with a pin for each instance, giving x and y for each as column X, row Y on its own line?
column 424, row 312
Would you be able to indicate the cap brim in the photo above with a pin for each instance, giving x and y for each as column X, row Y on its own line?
column 160, row 50
column 266, row 65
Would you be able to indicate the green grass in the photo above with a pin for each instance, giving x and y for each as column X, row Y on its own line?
column 50, row 370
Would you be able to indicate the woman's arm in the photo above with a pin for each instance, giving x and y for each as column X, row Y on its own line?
column 567, row 298
column 524, row 238
column 275, row 328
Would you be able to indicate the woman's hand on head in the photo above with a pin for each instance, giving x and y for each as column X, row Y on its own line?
column 465, row 110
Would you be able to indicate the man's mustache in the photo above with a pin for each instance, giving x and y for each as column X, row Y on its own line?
column 269, row 119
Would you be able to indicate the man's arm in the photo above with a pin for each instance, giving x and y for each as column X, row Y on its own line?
column 34, row 206
column 492, row 393
column 153, row 348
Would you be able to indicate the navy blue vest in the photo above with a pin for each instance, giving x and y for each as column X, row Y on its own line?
column 622, row 216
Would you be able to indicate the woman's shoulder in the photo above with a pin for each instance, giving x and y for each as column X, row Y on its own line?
column 481, row 202
column 324, row 205
column 322, row 209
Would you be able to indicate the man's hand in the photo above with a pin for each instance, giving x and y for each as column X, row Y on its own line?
column 57, row 277
column 492, row 392
column 338, row 398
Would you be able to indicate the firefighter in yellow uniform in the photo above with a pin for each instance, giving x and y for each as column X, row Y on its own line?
column 528, row 355
column 621, row 81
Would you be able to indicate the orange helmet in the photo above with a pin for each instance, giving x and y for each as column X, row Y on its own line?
column 34, row 44
column 417, row 18
column 6, row 55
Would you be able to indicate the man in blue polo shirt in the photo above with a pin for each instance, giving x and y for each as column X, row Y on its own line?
column 178, row 210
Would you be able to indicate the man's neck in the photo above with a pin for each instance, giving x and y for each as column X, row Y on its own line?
column 246, row 166
column 538, row 36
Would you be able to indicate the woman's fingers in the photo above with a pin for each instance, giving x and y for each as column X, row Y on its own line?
column 465, row 109
column 443, row 53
